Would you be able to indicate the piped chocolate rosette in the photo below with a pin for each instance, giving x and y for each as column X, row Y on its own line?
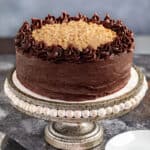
column 79, row 39
column 74, row 58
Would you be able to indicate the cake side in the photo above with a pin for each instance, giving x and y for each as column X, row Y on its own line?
column 74, row 81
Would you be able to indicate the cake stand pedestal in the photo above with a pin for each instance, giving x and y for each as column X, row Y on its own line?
column 73, row 125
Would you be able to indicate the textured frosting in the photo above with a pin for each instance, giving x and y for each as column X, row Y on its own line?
column 73, row 81
column 27, row 45
column 80, row 34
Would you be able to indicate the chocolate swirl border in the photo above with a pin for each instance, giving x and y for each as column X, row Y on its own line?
column 25, row 43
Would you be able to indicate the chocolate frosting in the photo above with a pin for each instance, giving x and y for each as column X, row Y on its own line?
column 70, row 74
column 27, row 45
column 74, row 81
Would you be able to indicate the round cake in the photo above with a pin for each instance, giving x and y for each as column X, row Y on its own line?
column 74, row 58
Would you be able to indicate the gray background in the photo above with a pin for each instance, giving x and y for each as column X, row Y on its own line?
column 135, row 13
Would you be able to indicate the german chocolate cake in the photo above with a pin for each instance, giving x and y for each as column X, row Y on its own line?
column 74, row 58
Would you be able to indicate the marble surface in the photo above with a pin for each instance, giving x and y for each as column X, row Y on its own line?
column 28, row 131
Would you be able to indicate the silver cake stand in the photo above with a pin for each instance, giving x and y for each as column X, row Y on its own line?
column 73, row 125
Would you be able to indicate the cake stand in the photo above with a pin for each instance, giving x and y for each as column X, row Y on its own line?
column 73, row 125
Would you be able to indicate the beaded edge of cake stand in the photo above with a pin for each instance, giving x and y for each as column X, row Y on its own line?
column 101, row 113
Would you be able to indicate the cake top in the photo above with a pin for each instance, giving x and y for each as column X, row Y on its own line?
column 74, row 39
column 79, row 34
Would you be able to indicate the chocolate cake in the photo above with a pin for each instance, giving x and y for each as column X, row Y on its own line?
column 74, row 58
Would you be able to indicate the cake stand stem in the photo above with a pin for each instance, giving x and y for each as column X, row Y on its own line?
column 74, row 136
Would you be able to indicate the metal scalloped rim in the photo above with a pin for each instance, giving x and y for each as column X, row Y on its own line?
column 123, row 106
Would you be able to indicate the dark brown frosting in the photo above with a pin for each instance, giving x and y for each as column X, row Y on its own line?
column 25, row 43
column 74, row 81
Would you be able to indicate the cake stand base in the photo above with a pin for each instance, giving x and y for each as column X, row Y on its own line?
column 73, row 125
column 73, row 136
